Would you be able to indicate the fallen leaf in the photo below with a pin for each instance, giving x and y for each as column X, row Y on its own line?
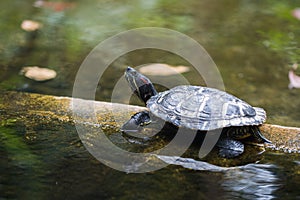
column 38, row 73
column 160, row 69
column 296, row 13
column 294, row 80
column 30, row 25
column 56, row 6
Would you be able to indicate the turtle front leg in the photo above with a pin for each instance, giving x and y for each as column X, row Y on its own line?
column 136, row 122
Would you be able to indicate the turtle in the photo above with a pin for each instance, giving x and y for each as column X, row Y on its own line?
column 198, row 108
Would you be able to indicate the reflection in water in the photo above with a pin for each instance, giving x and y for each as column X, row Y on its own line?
column 253, row 181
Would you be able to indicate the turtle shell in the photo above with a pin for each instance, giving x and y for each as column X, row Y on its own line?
column 202, row 108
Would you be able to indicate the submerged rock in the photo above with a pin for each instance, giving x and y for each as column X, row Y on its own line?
column 100, row 120
column 38, row 73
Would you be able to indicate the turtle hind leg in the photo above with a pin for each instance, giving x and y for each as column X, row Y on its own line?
column 229, row 148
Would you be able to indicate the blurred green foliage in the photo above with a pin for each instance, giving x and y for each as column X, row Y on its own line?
column 283, row 38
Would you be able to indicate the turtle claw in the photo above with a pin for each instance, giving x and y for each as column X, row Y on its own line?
column 130, row 127
column 258, row 135
column 229, row 148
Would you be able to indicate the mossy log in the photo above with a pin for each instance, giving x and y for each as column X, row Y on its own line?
column 34, row 109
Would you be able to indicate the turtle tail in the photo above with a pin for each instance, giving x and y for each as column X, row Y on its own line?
column 258, row 135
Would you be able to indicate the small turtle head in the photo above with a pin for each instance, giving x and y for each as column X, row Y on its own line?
column 140, row 84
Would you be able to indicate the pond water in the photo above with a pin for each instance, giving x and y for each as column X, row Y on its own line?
column 52, row 163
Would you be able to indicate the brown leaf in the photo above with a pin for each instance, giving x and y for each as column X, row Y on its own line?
column 30, row 25
column 38, row 73
column 294, row 80
column 160, row 69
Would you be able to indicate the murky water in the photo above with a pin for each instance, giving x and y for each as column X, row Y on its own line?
column 52, row 163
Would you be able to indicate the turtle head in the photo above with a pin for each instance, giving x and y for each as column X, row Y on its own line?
column 140, row 84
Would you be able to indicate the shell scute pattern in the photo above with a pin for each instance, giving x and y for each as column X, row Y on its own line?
column 202, row 108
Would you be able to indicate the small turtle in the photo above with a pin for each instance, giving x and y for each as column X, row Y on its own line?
column 197, row 108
